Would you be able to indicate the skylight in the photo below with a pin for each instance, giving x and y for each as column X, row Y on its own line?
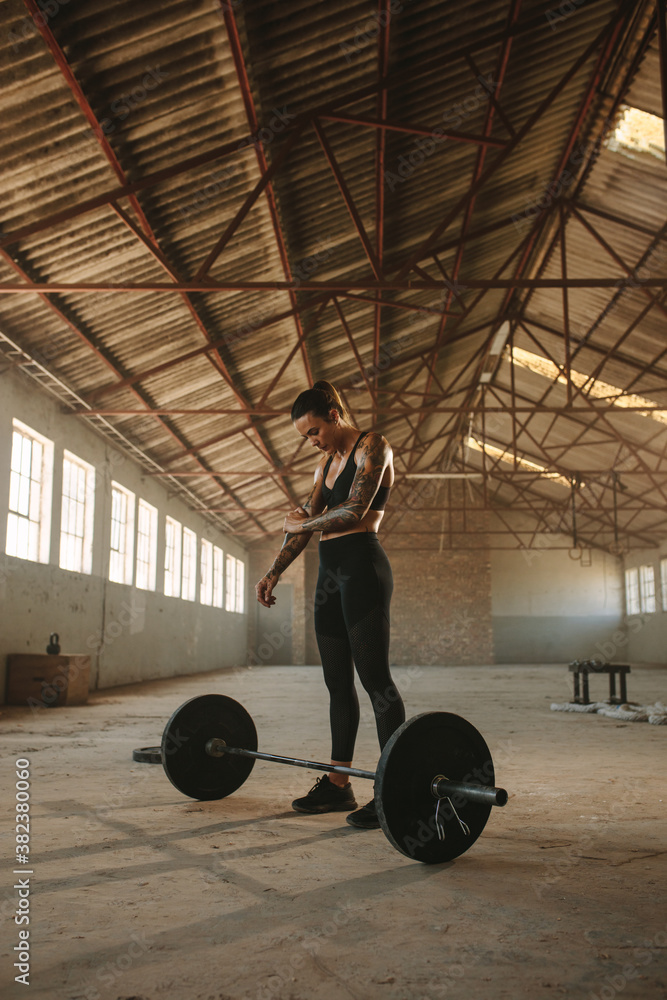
column 523, row 463
column 638, row 131
column 595, row 388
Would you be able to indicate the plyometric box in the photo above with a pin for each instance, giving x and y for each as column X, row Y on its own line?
column 38, row 679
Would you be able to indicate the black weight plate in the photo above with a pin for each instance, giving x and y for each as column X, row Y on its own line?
column 431, row 744
column 189, row 767
column 148, row 755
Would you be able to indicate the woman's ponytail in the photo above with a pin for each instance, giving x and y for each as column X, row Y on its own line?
column 320, row 401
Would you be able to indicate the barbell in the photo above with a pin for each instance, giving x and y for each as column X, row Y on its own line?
column 434, row 784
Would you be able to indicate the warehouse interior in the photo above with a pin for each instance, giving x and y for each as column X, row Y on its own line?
column 455, row 213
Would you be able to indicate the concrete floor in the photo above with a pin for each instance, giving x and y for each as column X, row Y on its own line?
column 139, row 893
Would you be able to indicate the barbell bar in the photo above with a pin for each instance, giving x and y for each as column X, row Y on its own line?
column 442, row 787
column 209, row 747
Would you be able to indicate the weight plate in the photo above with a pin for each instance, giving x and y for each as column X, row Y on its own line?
column 187, row 764
column 148, row 755
column 429, row 745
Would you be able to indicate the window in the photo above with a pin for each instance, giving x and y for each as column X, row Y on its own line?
column 189, row 587
column 647, row 588
column 632, row 592
column 638, row 131
column 122, row 534
column 172, row 558
column 76, row 516
column 663, row 583
column 30, row 486
column 235, row 582
column 206, row 587
column 218, row 574
column 211, row 574
column 146, row 546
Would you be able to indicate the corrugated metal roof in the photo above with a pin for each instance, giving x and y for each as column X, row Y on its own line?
column 134, row 136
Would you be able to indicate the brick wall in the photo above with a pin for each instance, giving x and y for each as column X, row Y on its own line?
column 441, row 607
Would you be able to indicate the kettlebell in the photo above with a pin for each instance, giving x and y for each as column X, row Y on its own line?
column 53, row 647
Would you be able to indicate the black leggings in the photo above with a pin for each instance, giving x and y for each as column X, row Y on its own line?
column 352, row 624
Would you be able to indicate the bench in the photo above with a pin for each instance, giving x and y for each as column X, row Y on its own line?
column 582, row 668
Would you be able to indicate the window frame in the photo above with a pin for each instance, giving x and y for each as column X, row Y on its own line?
column 632, row 600
column 124, row 558
column 88, row 503
column 234, row 585
column 174, row 572
column 146, row 579
column 647, row 595
column 39, row 504
column 206, row 573
column 218, row 577
column 189, row 564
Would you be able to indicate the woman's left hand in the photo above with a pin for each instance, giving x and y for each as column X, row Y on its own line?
column 294, row 520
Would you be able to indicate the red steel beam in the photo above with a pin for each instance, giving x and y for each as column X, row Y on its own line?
column 394, row 411
column 263, row 182
column 501, row 70
column 353, row 346
column 425, row 247
column 216, row 287
column 495, row 33
column 147, row 237
column 251, row 115
column 349, row 201
column 605, row 40
column 384, row 19
column 382, row 125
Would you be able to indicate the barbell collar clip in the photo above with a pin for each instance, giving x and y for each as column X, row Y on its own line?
column 443, row 788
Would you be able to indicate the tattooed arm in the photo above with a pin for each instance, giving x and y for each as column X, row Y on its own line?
column 293, row 545
column 372, row 458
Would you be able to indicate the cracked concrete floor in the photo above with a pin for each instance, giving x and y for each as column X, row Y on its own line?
column 140, row 893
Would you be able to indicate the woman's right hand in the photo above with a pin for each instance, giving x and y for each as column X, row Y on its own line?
column 264, row 590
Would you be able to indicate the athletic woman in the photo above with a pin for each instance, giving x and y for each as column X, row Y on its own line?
column 352, row 484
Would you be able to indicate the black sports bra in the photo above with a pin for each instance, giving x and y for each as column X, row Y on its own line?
column 343, row 484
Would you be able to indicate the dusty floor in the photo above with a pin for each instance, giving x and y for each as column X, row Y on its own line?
column 139, row 892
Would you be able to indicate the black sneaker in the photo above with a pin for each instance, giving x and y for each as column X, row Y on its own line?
column 325, row 797
column 365, row 818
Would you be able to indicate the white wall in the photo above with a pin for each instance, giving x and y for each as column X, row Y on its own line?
column 130, row 633
column 647, row 633
column 548, row 606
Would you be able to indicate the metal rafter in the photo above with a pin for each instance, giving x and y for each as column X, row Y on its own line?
column 251, row 115
column 145, row 233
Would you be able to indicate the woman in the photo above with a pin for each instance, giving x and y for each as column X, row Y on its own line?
column 352, row 485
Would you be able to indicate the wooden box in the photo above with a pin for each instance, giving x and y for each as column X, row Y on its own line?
column 40, row 680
